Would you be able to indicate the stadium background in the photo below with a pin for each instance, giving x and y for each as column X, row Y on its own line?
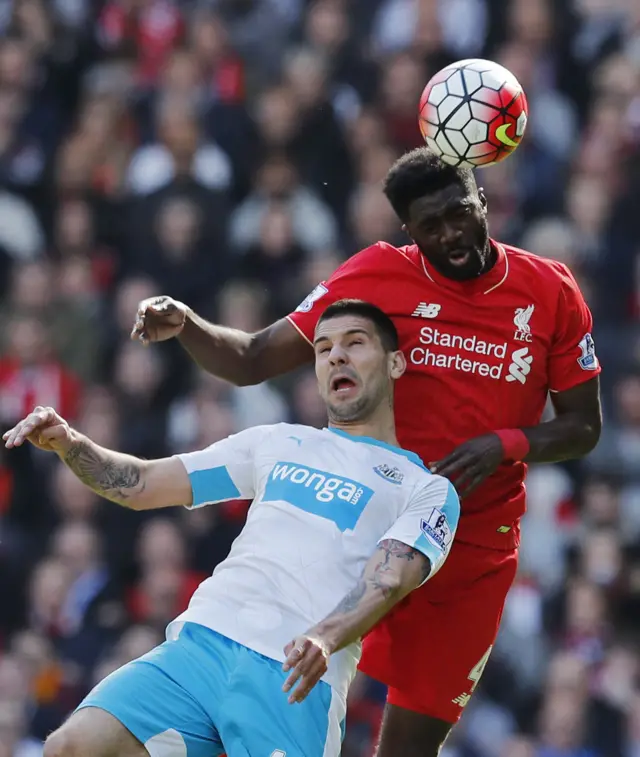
column 230, row 153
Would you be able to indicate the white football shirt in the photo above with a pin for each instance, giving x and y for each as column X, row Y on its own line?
column 322, row 500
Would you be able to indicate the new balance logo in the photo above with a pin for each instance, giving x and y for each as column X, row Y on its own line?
column 521, row 322
column 426, row 310
column 520, row 366
column 462, row 700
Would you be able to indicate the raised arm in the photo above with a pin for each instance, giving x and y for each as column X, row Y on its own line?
column 233, row 355
column 123, row 479
column 394, row 570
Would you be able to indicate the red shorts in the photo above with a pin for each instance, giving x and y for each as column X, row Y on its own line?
column 432, row 649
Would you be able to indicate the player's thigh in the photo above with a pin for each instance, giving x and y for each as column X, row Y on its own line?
column 259, row 722
column 441, row 652
column 410, row 734
column 93, row 733
column 150, row 699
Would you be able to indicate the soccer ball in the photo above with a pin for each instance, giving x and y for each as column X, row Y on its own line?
column 473, row 113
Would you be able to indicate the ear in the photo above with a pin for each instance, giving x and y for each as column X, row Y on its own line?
column 483, row 198
column 405, row 228
column 397, row 365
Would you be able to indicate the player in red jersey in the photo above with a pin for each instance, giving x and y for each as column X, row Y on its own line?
column 488, row 331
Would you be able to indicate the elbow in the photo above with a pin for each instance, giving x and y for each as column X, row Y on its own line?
column 138, row 504
column 394, row 589
column 247, row 379
column 142, row 493
column 593, row 430
column 142, row 503
column 592, row 437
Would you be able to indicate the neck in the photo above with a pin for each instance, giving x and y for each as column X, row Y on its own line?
column 490, row 259
column 381, row 427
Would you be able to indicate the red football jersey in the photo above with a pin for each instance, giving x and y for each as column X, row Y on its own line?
column 481, row 356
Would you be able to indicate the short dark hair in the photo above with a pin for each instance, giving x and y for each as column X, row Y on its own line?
column 383, row 324
column 419, row 173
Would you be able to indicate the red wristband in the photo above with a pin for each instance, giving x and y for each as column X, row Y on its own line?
column 514, row 443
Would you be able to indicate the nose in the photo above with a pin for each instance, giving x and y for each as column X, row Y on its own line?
column 449, row 234
column 337, row 356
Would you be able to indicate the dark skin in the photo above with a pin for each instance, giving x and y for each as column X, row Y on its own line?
column 450, row 228
column 410, row 734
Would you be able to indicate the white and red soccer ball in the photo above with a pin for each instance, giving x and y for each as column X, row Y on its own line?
column 473, row 113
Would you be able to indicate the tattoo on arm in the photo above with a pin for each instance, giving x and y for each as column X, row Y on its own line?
column 352, row 599
column 393, row 549
column 393, row 571
column 382, row 578
column 116, row 480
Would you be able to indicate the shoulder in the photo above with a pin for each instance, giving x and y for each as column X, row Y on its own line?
column 537, row 265
column 547, row 280
column 397, row 463
column 285, row 430
column 254, row 435
column 436, row 490
column 266, row 438
column 379, row 258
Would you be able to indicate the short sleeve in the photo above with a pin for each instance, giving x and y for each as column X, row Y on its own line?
column 572, row 360
column 429, row 521
column 357, row 278
column 225, row 470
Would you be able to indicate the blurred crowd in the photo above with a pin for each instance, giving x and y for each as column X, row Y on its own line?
column 230, row 153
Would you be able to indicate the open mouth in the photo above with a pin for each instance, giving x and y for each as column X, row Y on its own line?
column 460, row 256
column 342, row 384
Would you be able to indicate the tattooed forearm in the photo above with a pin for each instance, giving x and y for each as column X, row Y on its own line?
column 111, row 475
column 352, row 599
column 394, row 570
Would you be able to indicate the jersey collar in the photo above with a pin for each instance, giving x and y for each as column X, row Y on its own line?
column 481, row 285
column 377, row 443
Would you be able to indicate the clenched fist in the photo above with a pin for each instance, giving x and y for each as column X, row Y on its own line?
column 44, row 428
column 159, row 319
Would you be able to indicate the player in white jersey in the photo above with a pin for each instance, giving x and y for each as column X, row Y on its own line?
column 343, row 525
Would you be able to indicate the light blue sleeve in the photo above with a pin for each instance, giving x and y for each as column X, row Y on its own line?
column 225, row 470
column 429, row 521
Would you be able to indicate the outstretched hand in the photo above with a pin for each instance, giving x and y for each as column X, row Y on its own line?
column 44, row 428
column 471, row 463
column 307, row 659
column 159, row 319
